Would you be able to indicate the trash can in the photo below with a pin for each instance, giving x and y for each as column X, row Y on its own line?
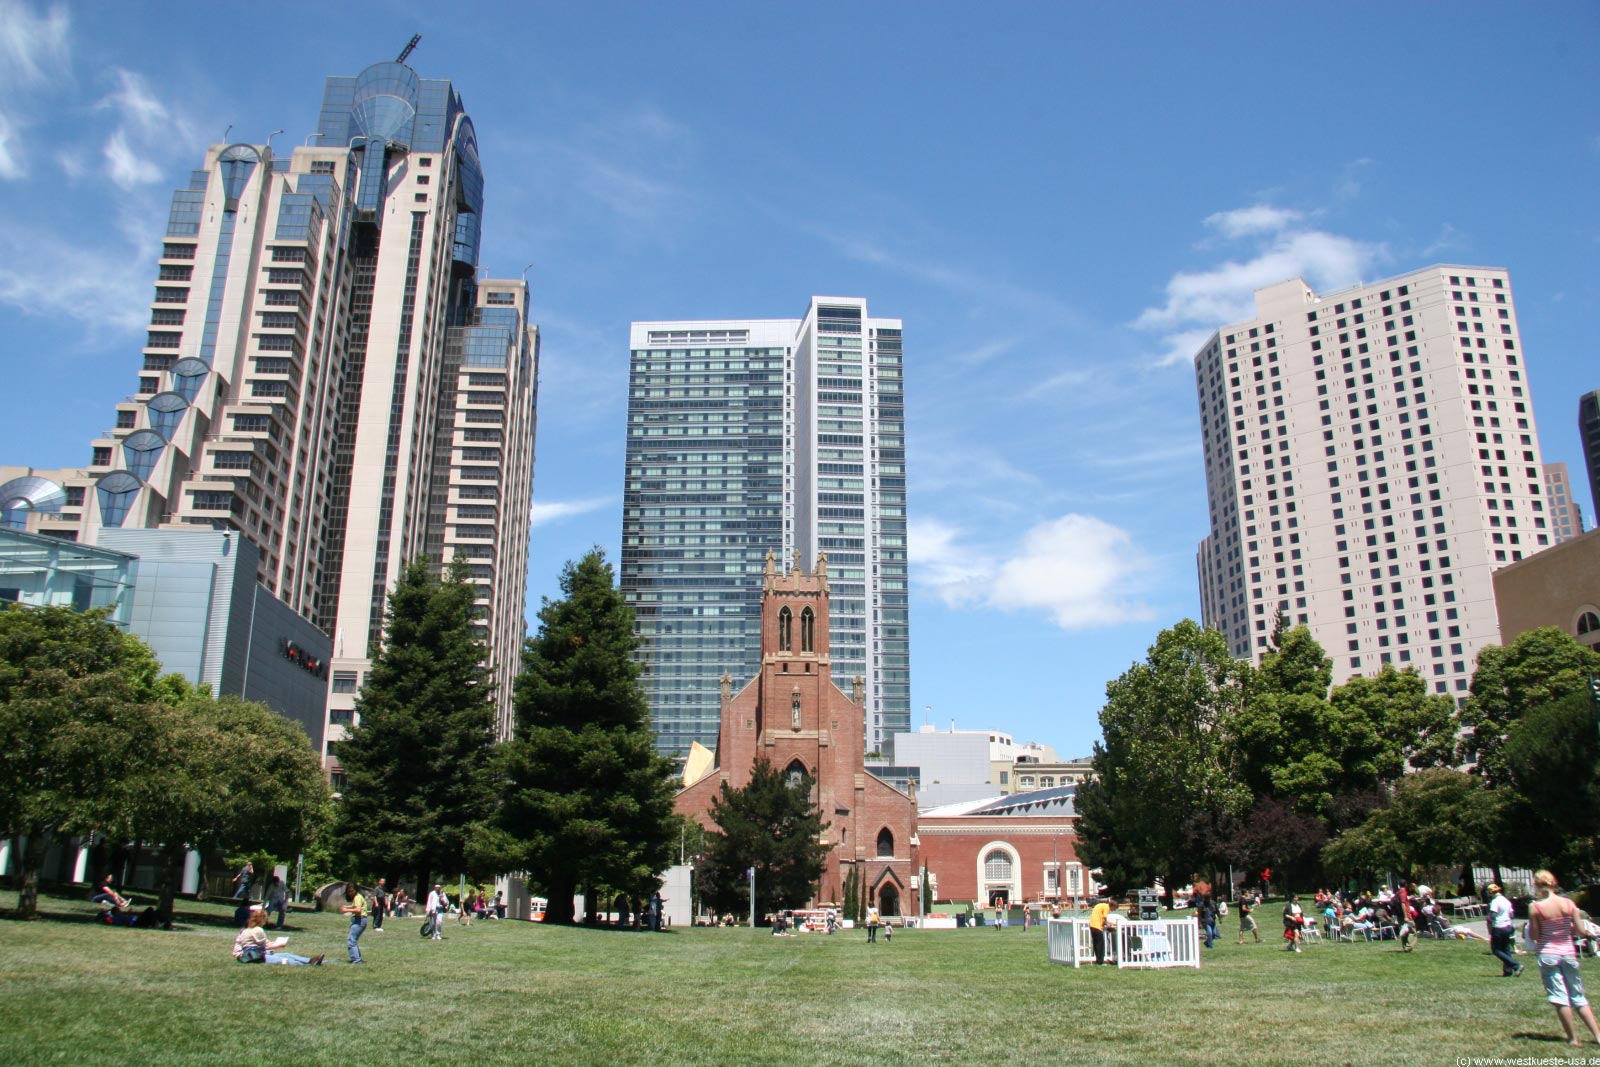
column 961, row 920
column 978, row 918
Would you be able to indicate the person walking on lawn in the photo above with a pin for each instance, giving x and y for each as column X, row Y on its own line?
column 1501, row 932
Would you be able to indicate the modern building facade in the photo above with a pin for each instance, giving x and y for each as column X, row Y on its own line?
column 1566, row 516
column 191, row 595
column 326, row 375
column 749, row 437
column 1589, row 430
column 1371, row 459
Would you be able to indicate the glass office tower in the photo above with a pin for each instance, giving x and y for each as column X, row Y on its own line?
column 750, row 436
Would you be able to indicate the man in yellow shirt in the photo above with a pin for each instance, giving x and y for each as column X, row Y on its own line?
column 1097, row 929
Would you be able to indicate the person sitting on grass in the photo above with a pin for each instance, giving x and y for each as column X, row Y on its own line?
column 252, row 946
column 108, row 895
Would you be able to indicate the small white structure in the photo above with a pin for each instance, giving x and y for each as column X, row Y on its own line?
column 1146, row 944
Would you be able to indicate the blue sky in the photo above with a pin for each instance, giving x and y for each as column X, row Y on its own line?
column 1060, row 200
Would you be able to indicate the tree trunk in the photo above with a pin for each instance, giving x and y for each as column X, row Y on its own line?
column 33, row 853
column 167, row 877
column 424, row 884
column 559, row 907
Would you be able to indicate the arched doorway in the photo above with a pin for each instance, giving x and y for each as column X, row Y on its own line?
column 999, row 873
column 888, row 900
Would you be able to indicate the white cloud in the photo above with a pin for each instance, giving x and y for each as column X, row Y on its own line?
column 1079, row 571
column 136, row 105
column 125, row 166
column 545, row 513
column 32, row 48
column 1200, row 301
column 10, row 165
column 1258, row 218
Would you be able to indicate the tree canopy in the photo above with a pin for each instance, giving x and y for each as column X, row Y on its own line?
column 1539, row 667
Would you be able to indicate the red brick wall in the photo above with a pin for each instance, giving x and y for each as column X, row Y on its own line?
column 951, row 847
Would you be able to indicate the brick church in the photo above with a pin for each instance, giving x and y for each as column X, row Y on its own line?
column 794, row 716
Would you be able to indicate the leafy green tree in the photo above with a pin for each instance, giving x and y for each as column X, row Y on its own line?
column 1165, row 757
column 1551, row 762
column 1438, row 817
column 1540, row 667
column 75, row 697
column 1308, row 748
column 773, row 825
column 585, row 801
column 415, row 766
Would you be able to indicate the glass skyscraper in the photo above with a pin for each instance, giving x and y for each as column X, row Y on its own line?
column 750, row 436
column 326, row 374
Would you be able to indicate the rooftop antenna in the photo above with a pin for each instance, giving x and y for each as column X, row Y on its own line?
column 406, row 51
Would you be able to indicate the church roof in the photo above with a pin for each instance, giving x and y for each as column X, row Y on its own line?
column 1056, row 801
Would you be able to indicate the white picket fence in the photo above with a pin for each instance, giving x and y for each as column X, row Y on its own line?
column 1153, row 944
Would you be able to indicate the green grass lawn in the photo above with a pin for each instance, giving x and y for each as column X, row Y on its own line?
column 72, row 991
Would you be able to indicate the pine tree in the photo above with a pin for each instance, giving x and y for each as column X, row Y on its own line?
column 415, row 768
column 773, row 825
column 586, row 802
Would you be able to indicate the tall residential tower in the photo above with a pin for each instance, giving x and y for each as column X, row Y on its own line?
column 326, row 374
column 751, row 436
column 1371, row 459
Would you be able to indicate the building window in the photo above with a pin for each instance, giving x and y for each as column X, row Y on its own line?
column 885, row 844
column 785, row 625
column 344, row 681
column 808, row 621
column 997, row 866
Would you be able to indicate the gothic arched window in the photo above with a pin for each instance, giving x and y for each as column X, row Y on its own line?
column 785, row 623
column 807, row 626
column 885, row 842
column 796, row 774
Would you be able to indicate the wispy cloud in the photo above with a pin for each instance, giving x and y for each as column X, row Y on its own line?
column 1199, row 301
column 103, row 287
column 147, row 131
column 10, row 154
column 545, row 513
column 1348, row 184
column 1258, row 218
column 34, row 49
column 970, row 284
column 1076, row 570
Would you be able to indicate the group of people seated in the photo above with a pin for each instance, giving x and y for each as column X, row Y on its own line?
column 1402, row 913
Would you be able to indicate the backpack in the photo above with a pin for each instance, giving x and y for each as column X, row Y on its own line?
column 253, row 954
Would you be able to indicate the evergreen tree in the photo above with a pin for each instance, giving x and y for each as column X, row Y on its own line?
column 415, row 780
column 773, row 825
column 586, row 803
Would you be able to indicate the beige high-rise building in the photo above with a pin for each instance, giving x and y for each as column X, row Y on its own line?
column 1566, row 516
column 1371, row 459
column 326, row 374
